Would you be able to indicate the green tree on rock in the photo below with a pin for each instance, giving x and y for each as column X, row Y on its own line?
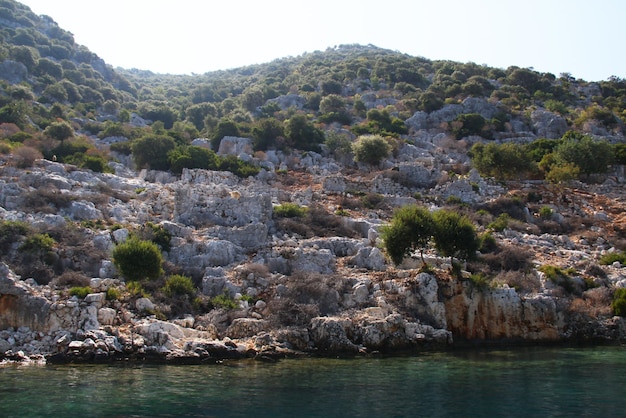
column 411, row 228
column 455, row 235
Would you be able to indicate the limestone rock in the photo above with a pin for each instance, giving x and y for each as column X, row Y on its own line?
column 548, row 124
column 84, row 211
column 246, row 327
column 331, row 334
column 232, row 145
column 370, row 258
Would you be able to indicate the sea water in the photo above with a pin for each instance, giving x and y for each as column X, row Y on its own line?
column 529, row 382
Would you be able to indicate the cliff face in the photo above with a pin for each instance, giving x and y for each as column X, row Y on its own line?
column 500, row 314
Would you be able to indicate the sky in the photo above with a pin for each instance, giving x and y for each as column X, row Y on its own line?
column 579, row 37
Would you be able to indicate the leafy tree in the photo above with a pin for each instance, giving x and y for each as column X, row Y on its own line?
column 302, row 134
column 429, row 102
column 563, row 173
column 338, row 143
column 619, row 154
column 138, row 259
column 411, row 228
column 332, row 103
column 55, row 92
column 46, row 66
column 162, row 113
column 151, row 151
column 468, row 124
column 266, row 132
column 455, row 235
column 370, row 149
column 590, row 155
column 225, row 127
column 59, row 131
column 15, row 112
column 537, row 149
column 502, row 161
column 191, row 157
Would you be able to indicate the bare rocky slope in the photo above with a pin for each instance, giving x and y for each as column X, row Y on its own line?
column 319, row 284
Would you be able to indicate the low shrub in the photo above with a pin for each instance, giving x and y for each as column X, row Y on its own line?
column 500, row 223
column 113, row 294
column 610, row 258
column 80, row 292
column 479, row 281
column 619, row 302
column 136, row 289
column 178, row 285
column 10, row 232
column 224, row 301
column 488, row 243
column 38, row 243
column 289, row 210
column 138, row 259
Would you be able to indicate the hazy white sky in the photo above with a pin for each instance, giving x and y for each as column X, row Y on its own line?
column 581, row 37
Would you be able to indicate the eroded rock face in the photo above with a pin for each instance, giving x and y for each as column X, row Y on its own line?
column 500, row 313
column 19, row 306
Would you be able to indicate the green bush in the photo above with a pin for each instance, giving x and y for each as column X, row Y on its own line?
column 113, row 294
column 152, row 151
column 11, row 231
column 289, row 210
column 546, row 212
column 224, row 301
column 157, row 234
column 370, row 149
column 488, row 243
column 480, row 281
column 619, row 302
column 178, row 285
column 136, row 289
column 138, row 259
column 80, row 292
column 468, row 124
column 559, row 276
column 500, row 223
column 38, row 243
column 610, row 258
column 236, row 166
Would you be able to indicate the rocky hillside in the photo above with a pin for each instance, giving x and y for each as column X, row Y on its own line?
column 267, row 216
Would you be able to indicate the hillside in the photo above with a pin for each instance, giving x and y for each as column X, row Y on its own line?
column 245, row 212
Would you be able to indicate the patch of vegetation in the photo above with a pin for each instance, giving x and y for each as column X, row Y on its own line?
column 612, row 257
column 480, row 281
column 290, row 210
column 500, row 223
column 135, row 289
column 619, row 302
column 224, row 301
column 178, row 285
column 38, row 243
column 113, row 294
column 80, row 292
column 138, row 259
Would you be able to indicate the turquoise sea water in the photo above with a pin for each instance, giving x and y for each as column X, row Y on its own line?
column 530, row 382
